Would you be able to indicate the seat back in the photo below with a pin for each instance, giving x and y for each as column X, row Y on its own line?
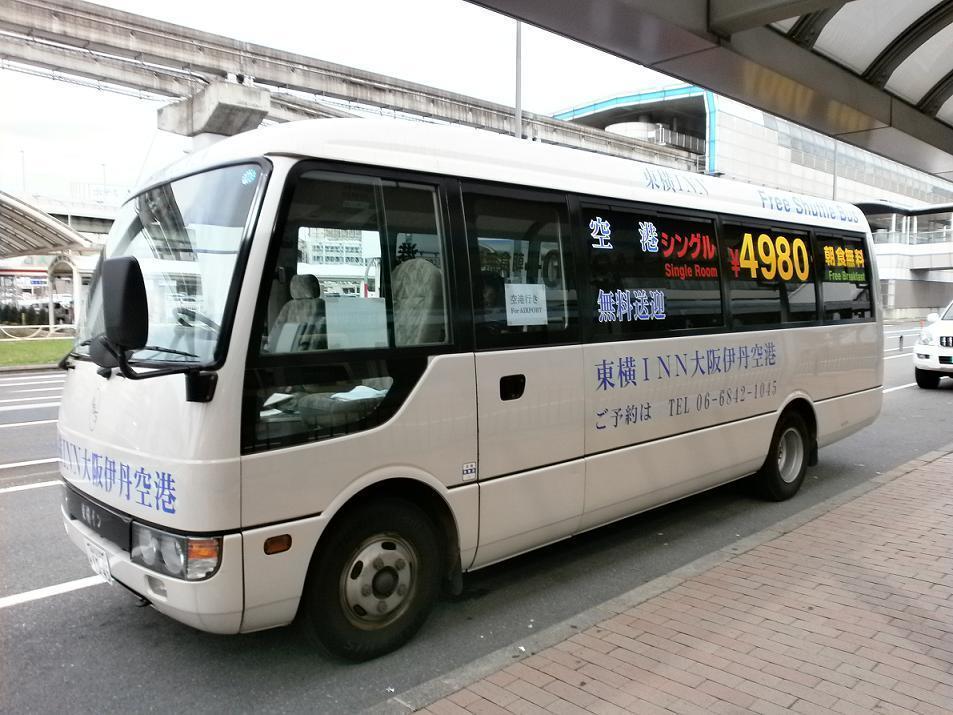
column 300, row 325
column 419, row 314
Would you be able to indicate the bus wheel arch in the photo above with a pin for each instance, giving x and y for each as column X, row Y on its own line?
column 793, row 447
column 805, row 409
column 392, row 545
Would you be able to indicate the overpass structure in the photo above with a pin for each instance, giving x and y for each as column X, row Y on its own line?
column 82, row 39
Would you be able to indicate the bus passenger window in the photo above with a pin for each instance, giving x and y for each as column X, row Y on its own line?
column 845, row 285
column 770, row 276
column 360, row 267
column 523, row 285
column 650, row 272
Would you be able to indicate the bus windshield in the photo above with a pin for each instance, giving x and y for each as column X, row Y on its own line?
column 186, row 236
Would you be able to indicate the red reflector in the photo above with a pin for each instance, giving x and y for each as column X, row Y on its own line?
column 277, row 544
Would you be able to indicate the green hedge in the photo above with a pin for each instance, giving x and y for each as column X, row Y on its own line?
column 11, row 314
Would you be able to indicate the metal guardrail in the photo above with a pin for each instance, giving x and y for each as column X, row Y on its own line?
column 664, row 135
column 11, row 333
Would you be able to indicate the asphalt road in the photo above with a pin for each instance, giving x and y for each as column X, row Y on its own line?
column 93, row 650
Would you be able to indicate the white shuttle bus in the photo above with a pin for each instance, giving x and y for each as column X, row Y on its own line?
column 554, row 340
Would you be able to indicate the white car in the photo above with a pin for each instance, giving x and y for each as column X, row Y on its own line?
column 933, row 353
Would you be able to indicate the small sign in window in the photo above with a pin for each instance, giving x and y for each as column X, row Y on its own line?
column 525, row 304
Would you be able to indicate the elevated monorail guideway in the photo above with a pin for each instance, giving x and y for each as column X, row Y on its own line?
column 877, row 74
column 82, row 39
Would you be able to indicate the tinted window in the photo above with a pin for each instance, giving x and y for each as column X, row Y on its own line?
column 649, row 272
column 770, row 276
column 845, row 287
column 524, row 288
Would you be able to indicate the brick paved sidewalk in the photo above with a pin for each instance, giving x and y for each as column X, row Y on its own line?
column 850, row 613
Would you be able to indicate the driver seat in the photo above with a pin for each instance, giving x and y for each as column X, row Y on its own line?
column 300, row 325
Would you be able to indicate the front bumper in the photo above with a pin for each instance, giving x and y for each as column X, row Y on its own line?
column 213, row 605
column 933, row 358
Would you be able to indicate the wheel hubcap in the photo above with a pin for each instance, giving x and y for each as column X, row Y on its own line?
column 790, row 455
column 378, row 583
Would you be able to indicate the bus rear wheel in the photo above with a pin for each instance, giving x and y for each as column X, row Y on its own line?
column 783, row 471
column 374, row 580
column 926, row 379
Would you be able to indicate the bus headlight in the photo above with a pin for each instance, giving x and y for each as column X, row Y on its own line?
column 189, row 557
column 926, row 338
column 145, row 546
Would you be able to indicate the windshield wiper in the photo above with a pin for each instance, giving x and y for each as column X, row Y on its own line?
column 168, row 350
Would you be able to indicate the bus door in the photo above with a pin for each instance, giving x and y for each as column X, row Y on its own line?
column 348, row 385
column 528, row 370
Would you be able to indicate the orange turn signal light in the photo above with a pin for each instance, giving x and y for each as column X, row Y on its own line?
column 203, row 549
column 277, row 544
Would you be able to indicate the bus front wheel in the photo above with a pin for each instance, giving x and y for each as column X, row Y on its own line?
column 783, row 471
column 373, row 581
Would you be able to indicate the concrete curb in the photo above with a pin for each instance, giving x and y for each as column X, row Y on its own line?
column 26, row 368
column 444, row 685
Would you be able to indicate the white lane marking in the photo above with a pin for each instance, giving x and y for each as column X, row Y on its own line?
column 29, row 399
column 899, row 387
column 23, row 379
column 894, row 357
column 893, row 350
column 27, row 424
column 11, row 408
column 56, row 590
column 37, row 389
column 25, row 487
column 904, row 332
column 29, row 463
column 58, row 381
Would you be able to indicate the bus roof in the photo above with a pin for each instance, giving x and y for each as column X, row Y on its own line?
column 472, row 153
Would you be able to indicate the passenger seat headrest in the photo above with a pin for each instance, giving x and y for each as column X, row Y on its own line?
column 305, row 286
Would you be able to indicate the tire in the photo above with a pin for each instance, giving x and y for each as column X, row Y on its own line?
column 926, row 379
column 373, row 581
column 783, row 471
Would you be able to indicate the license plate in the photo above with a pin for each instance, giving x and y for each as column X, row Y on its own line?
column 98, row 561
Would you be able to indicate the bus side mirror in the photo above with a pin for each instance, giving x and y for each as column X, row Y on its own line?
column 102, row 353
column 125, row 308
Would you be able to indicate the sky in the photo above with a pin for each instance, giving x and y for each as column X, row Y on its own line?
column 64, row 141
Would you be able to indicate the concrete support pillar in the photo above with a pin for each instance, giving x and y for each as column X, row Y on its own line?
column 220, row 110
column 51, row 317
column 79, row 300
